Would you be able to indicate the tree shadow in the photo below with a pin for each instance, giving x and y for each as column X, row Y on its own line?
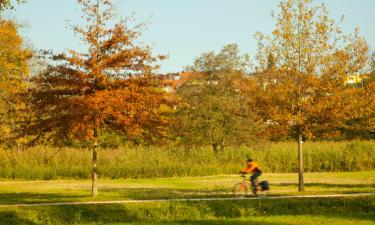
column 328, row 185
column 221, row 222
column 341, row 185
column 157, row 193
column 12, row 218
column 163, row 193
column 108, row 194
column 30, row 197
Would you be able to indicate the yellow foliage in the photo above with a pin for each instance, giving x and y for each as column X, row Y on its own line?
column 304, row 88
column 13, row 74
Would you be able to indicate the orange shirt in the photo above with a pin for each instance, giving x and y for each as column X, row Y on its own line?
column 253, row 167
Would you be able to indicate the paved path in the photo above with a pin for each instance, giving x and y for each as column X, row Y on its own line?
column 185, row 200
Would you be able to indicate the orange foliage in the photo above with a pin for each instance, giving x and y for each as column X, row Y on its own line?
column 110, row 86
column 302, row 72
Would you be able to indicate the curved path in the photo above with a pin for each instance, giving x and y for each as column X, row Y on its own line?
column 185, row 200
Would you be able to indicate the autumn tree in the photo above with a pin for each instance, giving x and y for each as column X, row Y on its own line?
column 14, row 72
column 303, row 93
column 362, row 124
column 213, row 112
column 108, row 87
column 7, row 4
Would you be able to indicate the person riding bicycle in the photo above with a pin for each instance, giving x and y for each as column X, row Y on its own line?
column 252, row 167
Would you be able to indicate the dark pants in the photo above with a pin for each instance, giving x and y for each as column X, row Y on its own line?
column 254, row 181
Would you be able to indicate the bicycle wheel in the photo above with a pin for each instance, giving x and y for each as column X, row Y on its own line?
column 240, row 189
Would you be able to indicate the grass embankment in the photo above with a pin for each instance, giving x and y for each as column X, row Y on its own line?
column 266, row 212
column 142, row 162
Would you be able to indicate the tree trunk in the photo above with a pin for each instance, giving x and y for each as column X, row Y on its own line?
column 300, row 164
column 214, row 147
column 94, row 188
column 222, row 145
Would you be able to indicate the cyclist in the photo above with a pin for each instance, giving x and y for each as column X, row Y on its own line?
column 252, row 167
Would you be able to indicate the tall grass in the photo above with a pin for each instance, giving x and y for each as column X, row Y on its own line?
column 147, row 162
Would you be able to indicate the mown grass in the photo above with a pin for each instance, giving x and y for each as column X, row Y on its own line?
column 13, row 191
column 150, row 162
column 345, row 211
column 266, row 211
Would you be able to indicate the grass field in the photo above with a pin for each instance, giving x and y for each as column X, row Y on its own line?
column 17, row 191
column 44, row 163
column 343, row 211
column 347, row 210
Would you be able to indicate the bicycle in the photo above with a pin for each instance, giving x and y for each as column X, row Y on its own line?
column 241, row 189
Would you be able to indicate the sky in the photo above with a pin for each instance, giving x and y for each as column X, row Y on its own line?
column 182, row 29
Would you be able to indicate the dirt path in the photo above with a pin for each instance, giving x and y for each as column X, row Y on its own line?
column 184, row 200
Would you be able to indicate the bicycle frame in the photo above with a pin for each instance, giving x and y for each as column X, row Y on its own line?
column 241, row 189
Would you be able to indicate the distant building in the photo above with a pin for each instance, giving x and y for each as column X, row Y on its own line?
column 354, row 79
column 171, row 82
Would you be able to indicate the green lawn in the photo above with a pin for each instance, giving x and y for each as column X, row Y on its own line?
column 15, row 191
column 346, row 210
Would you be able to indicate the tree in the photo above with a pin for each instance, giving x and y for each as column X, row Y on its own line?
column 7, row 4
column 13, row 77
column 304, row 93
column 108, row 87
column 362, row 124
column 213, row 111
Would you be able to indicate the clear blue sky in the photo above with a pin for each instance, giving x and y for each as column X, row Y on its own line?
column 182, row 28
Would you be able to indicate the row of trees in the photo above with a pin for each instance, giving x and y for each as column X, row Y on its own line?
column 297, row 89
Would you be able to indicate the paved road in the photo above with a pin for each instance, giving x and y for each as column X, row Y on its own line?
column 183, row 200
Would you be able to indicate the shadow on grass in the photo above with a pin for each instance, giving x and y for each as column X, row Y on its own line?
column 12, row 218
column 162, row 193
column 220, row 222
column 326, row 185
column 170, row 193
column 30, row 197
column 107, row 194
column 157, row 193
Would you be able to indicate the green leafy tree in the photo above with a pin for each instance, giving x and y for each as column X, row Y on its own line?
column 212, row 112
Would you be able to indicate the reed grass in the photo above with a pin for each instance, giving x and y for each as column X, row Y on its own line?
column 144, row 162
